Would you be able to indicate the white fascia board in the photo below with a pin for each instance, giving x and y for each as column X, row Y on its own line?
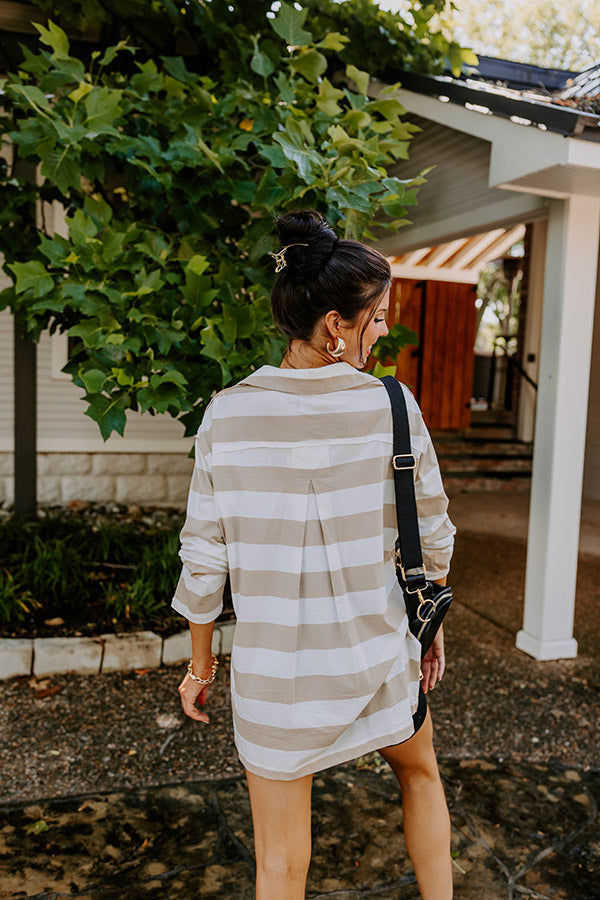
column 486, row 126
column 583, row 153
column 510, row 161
column 516, row 150
column 537, row 191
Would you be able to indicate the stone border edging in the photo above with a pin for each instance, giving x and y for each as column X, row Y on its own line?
column 106, row 653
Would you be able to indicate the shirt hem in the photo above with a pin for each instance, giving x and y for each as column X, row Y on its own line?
column 336, row 759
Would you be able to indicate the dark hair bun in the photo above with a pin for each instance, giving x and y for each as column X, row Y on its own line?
column 321, row 273
column 305, row 226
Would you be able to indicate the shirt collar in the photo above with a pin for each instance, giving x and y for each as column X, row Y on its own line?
column 338, row 376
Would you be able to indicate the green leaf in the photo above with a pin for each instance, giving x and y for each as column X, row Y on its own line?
column 214, row 158
column 311, row 64
column 361, row 78
column 285, row 88
column 53, row 37
column 327, row 100
column 107, row 413
column 455, row 59
column 39, row 826
column 96, row 207
column 293, row 143
column 358, row 118
column 33, row 95
column 238, row 322
column 171, row 376
column 389, row 109
column 84, row 88
column 111, row 52
column 62, row 169
column 260, row 62
column 380, row 371
column 469, row 58
column 197, row 265
column 212, row 345
column 333, row 41
column 32, row 276
column 396, row 339
column 92, row 379
column 124, row 379
column 54, row 249
column 103, row 107
column 176, row 67
column 288, row 24
column 81, row 228
column 269, row 193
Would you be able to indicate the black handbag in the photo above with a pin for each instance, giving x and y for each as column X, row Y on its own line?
column 426, row 602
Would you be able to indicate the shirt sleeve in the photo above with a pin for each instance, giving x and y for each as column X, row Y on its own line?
column 435, row 527
column 199, row 592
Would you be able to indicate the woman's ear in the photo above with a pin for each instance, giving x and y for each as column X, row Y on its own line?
column 332, row 321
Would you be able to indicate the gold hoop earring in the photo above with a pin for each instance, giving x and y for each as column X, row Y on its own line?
column 339, row 348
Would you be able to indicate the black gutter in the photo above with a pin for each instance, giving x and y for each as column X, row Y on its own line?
column 520, row 76
column 559, row 119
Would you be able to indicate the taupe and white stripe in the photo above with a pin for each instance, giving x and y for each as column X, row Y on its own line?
column 292, row 495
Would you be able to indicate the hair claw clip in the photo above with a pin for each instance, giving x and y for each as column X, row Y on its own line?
column 279, row 257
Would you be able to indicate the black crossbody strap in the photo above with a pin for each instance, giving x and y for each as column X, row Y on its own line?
column 409, row 542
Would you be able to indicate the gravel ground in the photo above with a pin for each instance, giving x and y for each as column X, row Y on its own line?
column 72, row 734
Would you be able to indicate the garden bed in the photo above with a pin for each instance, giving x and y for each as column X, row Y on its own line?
column 91, row 569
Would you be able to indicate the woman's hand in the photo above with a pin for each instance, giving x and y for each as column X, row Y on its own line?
column 191, row 693
column 434, row 662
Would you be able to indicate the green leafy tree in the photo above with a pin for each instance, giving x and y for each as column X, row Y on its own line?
column 171, row 172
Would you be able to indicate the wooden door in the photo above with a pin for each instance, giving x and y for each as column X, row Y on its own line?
column 440, row 370
column 406, row 306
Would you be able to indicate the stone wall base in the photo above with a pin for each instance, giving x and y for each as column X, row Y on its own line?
column 147, row 479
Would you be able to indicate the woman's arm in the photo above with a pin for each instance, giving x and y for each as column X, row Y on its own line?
column 434, row 661
column 199, row 592
column 190, row 691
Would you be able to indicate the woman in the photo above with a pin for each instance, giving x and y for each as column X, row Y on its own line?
column 292, row 495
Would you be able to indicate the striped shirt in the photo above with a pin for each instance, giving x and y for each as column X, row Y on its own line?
column 292, row 495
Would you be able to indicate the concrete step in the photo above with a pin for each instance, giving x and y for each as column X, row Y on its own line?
column 489, row 463
column 487, row 482
column 490, row 431
column 455, row 446
column 484, row 463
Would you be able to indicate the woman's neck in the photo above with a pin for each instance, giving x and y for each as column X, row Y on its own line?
column 302, row 355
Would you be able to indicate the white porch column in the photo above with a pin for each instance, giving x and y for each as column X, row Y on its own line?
column 533, row 330
column 560, row 432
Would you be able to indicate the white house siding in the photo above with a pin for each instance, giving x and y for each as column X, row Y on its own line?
column 459, row 161
column 150, row 465
column 591, row 476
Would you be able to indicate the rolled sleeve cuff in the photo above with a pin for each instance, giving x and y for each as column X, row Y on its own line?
column 198, row 608
column 437, row 562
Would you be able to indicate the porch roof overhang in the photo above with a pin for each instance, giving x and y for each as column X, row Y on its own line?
column 528, row 161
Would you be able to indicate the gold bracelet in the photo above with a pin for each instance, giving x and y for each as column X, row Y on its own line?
column 213, row 672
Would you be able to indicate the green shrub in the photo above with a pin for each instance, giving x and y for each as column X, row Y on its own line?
column 64, row 562
column 135, row 599
column 16, row 602
column 54, row 570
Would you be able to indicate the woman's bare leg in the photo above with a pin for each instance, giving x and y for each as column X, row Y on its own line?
column 281, row 818
column 425, row 813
